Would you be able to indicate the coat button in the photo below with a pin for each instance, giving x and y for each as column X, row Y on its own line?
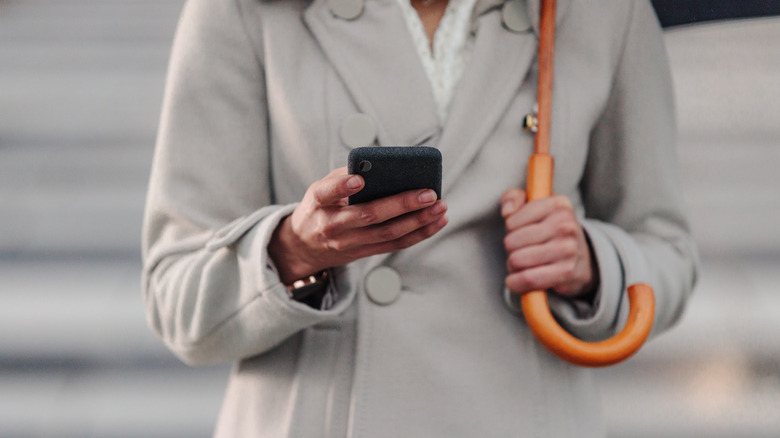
column 515, row 17
column 383, row 285
column 346, row 9
column 357, row 130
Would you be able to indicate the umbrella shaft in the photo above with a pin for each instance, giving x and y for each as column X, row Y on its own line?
column 539, row 183
column 545, row 86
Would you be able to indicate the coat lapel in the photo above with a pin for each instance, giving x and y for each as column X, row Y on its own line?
column 497, row 67
column 375, row 57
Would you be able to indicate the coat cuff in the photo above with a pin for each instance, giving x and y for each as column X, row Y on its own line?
column 271, row 316
column 256, row 249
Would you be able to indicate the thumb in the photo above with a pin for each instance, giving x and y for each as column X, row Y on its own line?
column 336, row 186
column 512, row 200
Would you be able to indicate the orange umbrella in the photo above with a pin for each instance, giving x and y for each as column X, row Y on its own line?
column 539, row 185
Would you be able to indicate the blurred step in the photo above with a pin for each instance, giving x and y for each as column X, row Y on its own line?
column 728, row 106
column 75, row 311
column 81, row 85
column 111, row 402
column 73, row 199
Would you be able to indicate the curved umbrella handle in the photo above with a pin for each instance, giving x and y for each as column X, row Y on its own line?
column 592, row 354
column 546, row 329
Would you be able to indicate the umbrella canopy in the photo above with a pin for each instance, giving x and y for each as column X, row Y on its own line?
column 680, row 12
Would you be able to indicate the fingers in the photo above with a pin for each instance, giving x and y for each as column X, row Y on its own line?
column 541, row 278
column 558, row 250
column 561, row 224
column 336, row 186
column 536, row 211
column 534, row 234
column 397, row 228
column 407, row 240
column 546, row 247
column 381, row 210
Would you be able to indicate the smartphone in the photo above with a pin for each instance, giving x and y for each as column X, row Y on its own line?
column 390, row 170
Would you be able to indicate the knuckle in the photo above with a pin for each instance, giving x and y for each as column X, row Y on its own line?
column 563, row 251
column 422, row 219
column 507, row 243
column 514, row 262
column 568, row 271
column 367, row 216
column 389, row 233
column 431, row 229
column 401, row 243
column 405, row 243
column 569, row 249
column 567, row 228
column 517, row 283
column 562, row 203
column 328, row 231
column 317, row 196
column 331, row 245
column 410, row 202
column 527, row 280
column 337, row 245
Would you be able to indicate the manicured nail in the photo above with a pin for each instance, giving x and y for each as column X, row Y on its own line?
column 427, row 197
column 507, row 208
column 353, row 182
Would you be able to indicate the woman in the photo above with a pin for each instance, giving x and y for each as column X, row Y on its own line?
column 400, row 317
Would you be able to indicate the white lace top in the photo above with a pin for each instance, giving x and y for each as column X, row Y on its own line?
column 452, row 46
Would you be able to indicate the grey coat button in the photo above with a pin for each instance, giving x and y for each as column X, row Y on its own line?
column 346, row 9
column 515, row 16
column 358, row 130
column 383, row 285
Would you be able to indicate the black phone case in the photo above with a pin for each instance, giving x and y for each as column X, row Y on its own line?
column 394, row 169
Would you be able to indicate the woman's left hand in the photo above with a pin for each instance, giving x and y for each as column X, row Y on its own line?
column 546, row 246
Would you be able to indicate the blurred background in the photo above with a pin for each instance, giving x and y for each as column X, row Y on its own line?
column 81, row 83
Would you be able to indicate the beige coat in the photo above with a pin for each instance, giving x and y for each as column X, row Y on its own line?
column 261, row 101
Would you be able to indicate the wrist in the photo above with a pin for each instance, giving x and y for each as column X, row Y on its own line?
column 285, row 250
column 588, row 292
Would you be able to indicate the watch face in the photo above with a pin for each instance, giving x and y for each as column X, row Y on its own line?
column 311, row 294
column 310, row 290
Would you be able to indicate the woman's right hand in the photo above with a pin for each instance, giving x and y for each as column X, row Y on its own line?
column 324, row 231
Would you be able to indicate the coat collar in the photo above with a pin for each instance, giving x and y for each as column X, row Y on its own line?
column 380, row 67
column 393, row 87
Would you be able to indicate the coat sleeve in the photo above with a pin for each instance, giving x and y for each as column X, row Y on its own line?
column 211, row 291
column 635, row 217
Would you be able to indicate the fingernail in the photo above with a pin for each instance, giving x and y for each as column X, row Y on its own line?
column 353, row 182
column 438, row 209
column 507, row 208
column 427, row 197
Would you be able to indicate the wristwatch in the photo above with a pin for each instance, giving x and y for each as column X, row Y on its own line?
column 309, row 290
